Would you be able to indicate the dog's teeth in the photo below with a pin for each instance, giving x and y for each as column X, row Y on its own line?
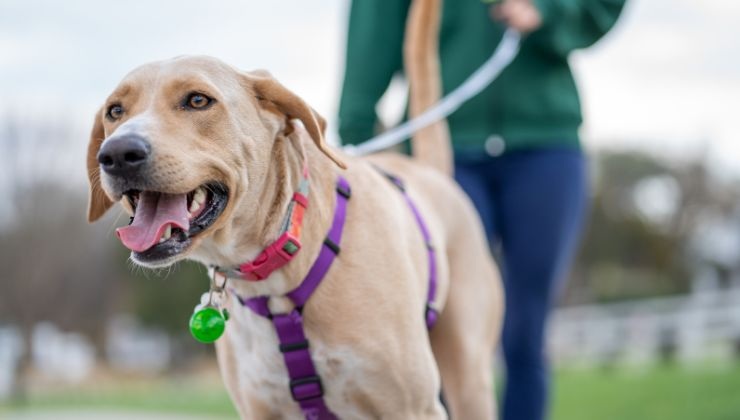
column 193, row 207
column 200, row 195
column 166, row 234
column 198, row 199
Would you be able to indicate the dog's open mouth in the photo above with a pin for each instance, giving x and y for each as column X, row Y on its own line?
column 164, row 224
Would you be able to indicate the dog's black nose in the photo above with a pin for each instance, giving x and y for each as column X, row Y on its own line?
column 124, row 155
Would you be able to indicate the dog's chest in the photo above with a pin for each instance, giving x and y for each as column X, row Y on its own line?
column 260, row 369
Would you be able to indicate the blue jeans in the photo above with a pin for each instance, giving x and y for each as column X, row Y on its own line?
column 532, row 204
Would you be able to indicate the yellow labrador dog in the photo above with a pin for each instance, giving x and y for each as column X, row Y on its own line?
column 209, row 159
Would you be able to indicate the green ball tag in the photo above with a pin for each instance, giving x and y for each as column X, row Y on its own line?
column 207, row 325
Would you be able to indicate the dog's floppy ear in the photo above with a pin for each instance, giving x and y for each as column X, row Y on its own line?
column 270, row 91
column 99, row 202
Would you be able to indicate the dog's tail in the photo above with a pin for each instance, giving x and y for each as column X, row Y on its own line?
column 430, row 145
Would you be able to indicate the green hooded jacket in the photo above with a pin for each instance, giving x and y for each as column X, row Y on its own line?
column 533, row 103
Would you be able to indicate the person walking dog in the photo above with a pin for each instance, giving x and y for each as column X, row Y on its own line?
column 517, row 149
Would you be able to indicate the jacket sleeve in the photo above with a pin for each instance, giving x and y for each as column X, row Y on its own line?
column 374, row 53
column 572, row 24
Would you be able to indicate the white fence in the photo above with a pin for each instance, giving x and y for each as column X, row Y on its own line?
column 10, row 350
column 69, row 357
column 701, row 327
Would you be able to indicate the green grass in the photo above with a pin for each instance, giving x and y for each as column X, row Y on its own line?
column 167, row 396
column 711, row 393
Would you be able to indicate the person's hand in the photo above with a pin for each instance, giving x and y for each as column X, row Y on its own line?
column 521, row 15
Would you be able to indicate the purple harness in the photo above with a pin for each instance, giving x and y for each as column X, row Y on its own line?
column 305, row 384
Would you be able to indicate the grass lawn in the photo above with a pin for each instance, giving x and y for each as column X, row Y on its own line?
column 205, row 398
column 655, row 394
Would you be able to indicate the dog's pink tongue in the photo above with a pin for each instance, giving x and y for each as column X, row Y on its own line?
column 153, row 213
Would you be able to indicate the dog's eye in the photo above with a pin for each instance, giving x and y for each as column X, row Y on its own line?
column 198, row 101
column 115, row 112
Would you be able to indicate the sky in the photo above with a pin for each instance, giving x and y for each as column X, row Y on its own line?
column 666, row 79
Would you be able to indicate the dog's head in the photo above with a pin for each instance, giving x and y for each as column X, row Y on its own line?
column 182, row 143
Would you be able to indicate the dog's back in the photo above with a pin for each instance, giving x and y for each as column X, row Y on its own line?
column 470, row 295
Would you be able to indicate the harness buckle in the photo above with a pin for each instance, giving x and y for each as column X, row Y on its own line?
column 306, row 388
column 291, row 347
column 344, row 191
column 430, row 316
column 332, row 245
column 271, row 258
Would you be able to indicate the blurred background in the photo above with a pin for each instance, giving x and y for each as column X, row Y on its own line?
column 648, row 326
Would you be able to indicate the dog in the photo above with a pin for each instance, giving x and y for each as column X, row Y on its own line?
column 207, row 159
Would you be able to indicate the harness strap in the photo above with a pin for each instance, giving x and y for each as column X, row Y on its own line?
column 305, row 384
column 329, row 249
column 430, row 314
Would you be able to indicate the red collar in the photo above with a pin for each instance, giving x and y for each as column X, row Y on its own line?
column 285, row 247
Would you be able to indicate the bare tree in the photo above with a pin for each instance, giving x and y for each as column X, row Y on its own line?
column 54, row 266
